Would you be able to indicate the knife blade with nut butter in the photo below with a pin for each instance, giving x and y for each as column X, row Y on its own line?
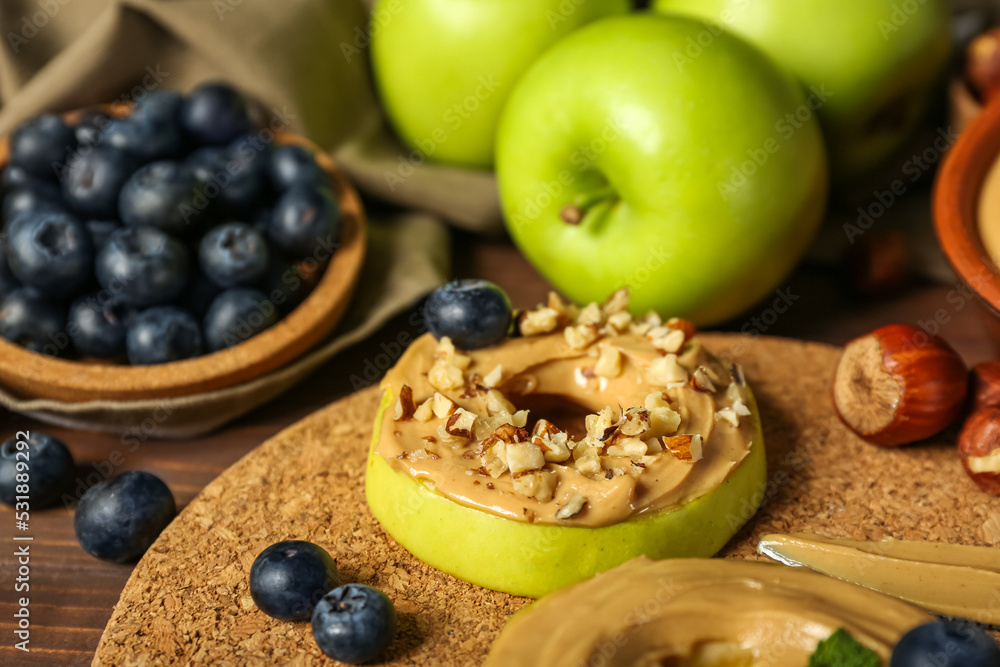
column 950, row 579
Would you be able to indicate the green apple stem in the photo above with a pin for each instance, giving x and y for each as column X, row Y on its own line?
column 573, row 214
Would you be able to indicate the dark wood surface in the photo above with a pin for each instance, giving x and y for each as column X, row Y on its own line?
column 72, row 594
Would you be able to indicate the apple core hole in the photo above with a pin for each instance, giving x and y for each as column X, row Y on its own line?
column 566, row 414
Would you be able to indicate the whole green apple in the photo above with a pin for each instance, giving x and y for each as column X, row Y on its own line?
column 444, row 68
column 876, row 61
column 535, row 559
column 697, row 185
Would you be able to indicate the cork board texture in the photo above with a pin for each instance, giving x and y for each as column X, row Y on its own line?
column 188, row 600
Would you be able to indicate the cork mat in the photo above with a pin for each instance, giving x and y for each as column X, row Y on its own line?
column 188, row 601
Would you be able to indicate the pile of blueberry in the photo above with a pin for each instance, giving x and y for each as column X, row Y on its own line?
column 296, row 580
column 178, row 230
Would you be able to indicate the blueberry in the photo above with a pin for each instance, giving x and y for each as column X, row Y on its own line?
column 198, row 295
column 49, row 469
column 41, row 144
column 161, row 335
column 163, row 194
column 93, row 181
column 234, row 254
column 8, row 283
column 287, row 579
column 100, row 231
column 237, row 315
column 234, row 180
column 288, row 284
column 294, row 165
column 948, row 643
column 51, row 252
column 473, row 313
column 21, row 201
column 28, row 319
column 118, row 519
column 144, row 139
column 304, row 220
column 90, row 128
column 143, row 266
column 214, row 114
column 354, row 623
column 97, row 324
column 164, row 105
column 18, row 178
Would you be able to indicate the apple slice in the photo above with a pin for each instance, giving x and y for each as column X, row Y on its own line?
column 535, row 559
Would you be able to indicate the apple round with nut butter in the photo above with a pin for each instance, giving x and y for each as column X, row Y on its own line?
column 461, row 479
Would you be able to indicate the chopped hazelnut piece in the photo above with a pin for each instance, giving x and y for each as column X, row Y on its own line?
column 422, row 454
column 685, row 326
column 572, row 507
column 537, row 484
column 635, row 422
column 461, row 422
column 684, row 447
column 597, row 424
column 485, row 426
column 664, row 371
column 524, row 457
column 555, row 447
column 442, row 405
column 591, row 314
column 493, row 378
column 580, row 336
column 617, row 302
column 404, row 404
column 740, row 408
column 494, row 460
column 449, row 438
column 520, row 418
column 445, row 351
column 700, row 381
column 729, row 416
column 609, row 363
column 633, row 448
column 540, row 321
column 589, row 465
column 669, row 341
column 497, row 403
column 425, row 411
column 444, row 376
column 620, row 322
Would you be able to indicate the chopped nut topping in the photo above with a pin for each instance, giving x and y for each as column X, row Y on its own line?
column 425, row 411
column 617, row 302
column 540, row 321
column 700, row 381
column 507, row 433
column 591, row 314
column 684, row 447
column 635, row 422
column 740, row 408
column 537, row 484
column 445, row 351
column 404, row 404
column 494, row 460
column 664, row 371
column 445, row 376
column 449, row 438
column 645, row 324
column 689, row 329
column 620, row 322
column 609, row 363
column 572, row 507
column 493, row 378
column 567, row 311
column 497, row 403
column 442, row 405
column 421, row 454
column 520, row 418
column 668, row 341
column 580, row 336
column 729, row 416
column 461, row 422
column 589, row 465
column 628, row 447
column 598, row 423
column 524, row 457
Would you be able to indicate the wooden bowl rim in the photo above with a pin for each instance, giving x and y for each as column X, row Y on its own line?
column 957, row 191
column 292, row 336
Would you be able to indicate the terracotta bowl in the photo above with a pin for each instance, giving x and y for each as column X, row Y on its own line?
column 957, row 201
column 33, row 375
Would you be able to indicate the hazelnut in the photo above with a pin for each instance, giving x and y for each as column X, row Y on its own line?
column 985, row 385
column 898, row 385
column 979, row 446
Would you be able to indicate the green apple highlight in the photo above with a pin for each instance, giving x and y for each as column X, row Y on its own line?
column 534, row 559
column 688, row 185
column 877, row 61
column 444, row 68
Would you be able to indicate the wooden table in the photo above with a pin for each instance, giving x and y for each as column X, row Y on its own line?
column 72, row 594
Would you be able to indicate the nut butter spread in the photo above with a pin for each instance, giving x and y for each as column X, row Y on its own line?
column 699, row 612
column 587, row 419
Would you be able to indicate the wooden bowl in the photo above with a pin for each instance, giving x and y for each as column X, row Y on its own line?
column 957, row 202
column 33, row 375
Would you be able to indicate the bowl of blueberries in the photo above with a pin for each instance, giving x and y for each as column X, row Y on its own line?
column 167, row 248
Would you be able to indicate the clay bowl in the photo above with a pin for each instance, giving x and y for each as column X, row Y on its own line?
column 959, row 204
column 33, row 375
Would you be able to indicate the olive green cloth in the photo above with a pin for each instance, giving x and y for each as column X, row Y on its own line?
column 304, row 62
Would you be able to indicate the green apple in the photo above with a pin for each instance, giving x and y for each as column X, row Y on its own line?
column 684, row 181
column 444, row 68
column 534, row 559
column 876, row 61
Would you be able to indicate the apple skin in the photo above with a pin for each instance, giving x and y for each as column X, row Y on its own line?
column 879, row 59
column 444, row 68
column 534, row 559
column 714, row 196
